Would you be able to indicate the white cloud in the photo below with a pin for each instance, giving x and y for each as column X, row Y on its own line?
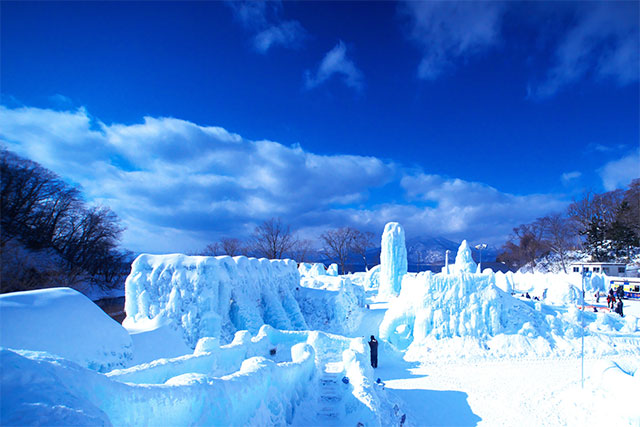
column 619, row 173
column 336, row 62
column 177, row 185
column 264, row 19
column 447, row 31
column 568, row 177
column 289, row 33
column 605, row 42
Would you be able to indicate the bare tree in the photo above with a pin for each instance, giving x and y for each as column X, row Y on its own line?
column 338, row 244
column 560, row 235
column 272, row 239
column 361, row 242
column 525, row 245
column 231, row 246
column 212, row 249
column 302, row 250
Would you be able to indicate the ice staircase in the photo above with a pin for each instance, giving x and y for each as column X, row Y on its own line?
column 331, row 391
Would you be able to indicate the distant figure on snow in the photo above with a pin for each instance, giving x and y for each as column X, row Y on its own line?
column 620, row 291
column 619, row 307
column 597, row 296
column 527, row 296
column 373, row 344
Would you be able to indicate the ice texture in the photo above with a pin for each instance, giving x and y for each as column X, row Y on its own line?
column 331, row 304
column 393, row 260
column 64, row 322
column 312, row 269
column 213, row 296
column 464, row 261
column 464, row 313
column 332, row 270
column 273, row 378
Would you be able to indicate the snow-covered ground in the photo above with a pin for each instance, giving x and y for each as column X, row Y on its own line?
column 236, row 341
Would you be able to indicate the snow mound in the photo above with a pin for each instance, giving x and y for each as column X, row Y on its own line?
column 63, row 322
column 330, row 303
column 213, row 296
column 393, row 259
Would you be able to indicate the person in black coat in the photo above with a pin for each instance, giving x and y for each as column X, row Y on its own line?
column 619, row 307
column 373, row 344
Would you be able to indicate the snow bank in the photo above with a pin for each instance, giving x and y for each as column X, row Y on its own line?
column 213, row 296
column 457, row 315
column 41, row 389
column 156, row 338
column 272, row 378
column 605, row 399
column 331, row 304
column 64, row 322
column 393, row 259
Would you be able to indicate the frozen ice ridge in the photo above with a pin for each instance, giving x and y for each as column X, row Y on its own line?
column 214, row 296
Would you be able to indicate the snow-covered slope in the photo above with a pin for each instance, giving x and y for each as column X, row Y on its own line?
column 64, row 322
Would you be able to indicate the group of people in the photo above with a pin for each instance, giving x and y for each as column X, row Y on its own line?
column 614, row 303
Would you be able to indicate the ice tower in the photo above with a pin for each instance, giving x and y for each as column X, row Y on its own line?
column 393, row 259
column 464, row 260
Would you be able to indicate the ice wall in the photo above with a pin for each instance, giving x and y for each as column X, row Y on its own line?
column 331, row 304
column 214, row 296
column 475, row 316
column 393, row 260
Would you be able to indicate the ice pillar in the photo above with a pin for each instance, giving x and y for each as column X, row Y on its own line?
column 393, row 259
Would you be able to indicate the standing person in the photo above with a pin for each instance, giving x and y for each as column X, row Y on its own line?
column 619, row 307
column 620, row 291
column 611, row 298
column 373, row 344
column 597, row 296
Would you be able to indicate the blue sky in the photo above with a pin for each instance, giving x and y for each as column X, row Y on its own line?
column 198, row 120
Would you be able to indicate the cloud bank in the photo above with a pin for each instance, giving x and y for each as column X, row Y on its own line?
column 178, row 186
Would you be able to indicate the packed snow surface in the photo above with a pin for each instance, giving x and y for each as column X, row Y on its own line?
column 64, row 322
column 393, row 259
column 213, row 296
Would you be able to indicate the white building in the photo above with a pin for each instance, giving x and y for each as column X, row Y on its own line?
column 608, row 268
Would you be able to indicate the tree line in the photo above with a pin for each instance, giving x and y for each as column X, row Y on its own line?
column 273, row 239
column 43, row 214
column 605, row 225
